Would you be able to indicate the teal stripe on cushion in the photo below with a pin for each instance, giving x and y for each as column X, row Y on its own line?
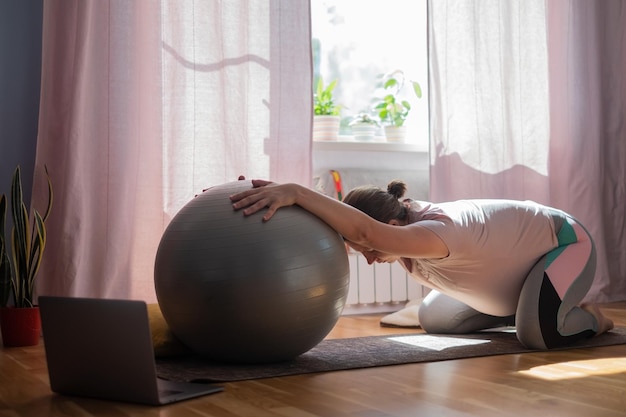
column 553, row 254
column 565, row 236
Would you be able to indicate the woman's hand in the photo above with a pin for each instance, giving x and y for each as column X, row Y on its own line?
column 265, row 194
column 241, row 178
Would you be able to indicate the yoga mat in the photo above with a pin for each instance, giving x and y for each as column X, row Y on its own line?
column 366, row 352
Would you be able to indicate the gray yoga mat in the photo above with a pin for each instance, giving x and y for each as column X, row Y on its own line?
column 366, row 352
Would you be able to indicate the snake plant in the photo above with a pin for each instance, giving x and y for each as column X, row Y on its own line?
column 19, row 270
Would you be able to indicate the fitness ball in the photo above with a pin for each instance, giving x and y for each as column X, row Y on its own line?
column 234, row 288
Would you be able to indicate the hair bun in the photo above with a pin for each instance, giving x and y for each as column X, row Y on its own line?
column 397, row 188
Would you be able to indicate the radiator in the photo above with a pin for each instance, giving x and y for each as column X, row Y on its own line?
column 384, row 287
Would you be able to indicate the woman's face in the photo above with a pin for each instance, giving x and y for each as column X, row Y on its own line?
column 373, row 255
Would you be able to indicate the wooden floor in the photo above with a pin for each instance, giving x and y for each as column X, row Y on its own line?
column 579, row 382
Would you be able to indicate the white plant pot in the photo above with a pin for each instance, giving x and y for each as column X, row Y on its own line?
column 395, row 133
column 326, row 128
column 363, row 132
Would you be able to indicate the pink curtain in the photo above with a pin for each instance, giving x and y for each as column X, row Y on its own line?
column 528, row 101
column 146, row 103
column 587, row 67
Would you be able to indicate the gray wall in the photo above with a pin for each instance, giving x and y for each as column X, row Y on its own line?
column 20, row 78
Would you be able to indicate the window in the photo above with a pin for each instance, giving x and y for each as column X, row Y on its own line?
column 356, row 42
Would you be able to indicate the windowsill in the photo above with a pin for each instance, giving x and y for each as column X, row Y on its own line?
column 347, row 143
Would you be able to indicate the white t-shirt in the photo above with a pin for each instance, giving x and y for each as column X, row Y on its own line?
column 493, row 245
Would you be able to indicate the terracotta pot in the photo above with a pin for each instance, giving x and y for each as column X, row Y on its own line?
column 20, row 326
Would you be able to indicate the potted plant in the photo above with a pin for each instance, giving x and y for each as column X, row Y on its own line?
column 364, row 127
column 326, row 120
column 391, row 109
column 19, row 316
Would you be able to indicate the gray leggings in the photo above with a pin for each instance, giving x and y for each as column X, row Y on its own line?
column 547, row 313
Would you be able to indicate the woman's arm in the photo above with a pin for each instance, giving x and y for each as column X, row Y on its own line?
column 412, row 241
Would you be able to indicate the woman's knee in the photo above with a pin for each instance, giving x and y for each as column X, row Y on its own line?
column 440, row 313
column 434, row 319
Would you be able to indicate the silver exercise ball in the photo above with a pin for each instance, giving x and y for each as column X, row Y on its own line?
column 238, row 289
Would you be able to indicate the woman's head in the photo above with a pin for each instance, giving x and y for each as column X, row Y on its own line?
column 381, row 205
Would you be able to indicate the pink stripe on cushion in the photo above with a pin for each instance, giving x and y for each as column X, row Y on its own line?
column 570, row 263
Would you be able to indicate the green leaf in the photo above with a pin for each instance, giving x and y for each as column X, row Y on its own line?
column 35, row 256
column 50, row 195
column 331, row 87
column 5, row 266
column 3, row 213
column 20, row 244
column 20, row 238
column 20, row 221
column 392, row 82
column 5, row 278
column 417, row 89
column 320, row 87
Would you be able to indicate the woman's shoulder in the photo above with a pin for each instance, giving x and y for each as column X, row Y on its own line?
column 424, row 210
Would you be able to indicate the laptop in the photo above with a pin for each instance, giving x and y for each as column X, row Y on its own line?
column 102, row 348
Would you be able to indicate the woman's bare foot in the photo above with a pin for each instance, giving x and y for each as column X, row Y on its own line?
column 604, row 323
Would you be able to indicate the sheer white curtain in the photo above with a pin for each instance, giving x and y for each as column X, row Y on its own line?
column 146, row 103
column 528, row 102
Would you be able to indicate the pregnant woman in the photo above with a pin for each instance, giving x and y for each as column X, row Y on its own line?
column 489, row 262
